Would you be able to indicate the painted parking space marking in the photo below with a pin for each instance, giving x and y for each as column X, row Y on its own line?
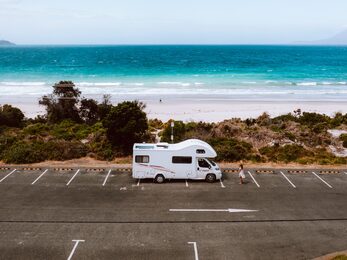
column 39, row 177
column 67, row 184
column 77, row 241
column 108, row 174
column 214, row 210
column 138, row 182
column 8, row 175
column 288, row 179
column 322, row 180
column 346, row 173
column 256, row 183
column 187, row 185
column 221, row 184
column 195, row 246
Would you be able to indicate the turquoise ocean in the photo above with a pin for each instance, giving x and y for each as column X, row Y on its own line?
column 216, row 72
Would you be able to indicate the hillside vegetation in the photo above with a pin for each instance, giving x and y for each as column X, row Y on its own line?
column 75, row 127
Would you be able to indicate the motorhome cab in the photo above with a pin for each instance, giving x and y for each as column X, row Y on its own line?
column 186, row 160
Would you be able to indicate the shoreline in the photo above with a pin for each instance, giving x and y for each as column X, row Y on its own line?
column 213, row 109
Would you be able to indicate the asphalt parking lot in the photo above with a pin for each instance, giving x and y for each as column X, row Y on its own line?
column 81, row 214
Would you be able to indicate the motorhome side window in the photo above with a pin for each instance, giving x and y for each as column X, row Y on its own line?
column 203, row 163
column 200, row 151
column 142, row 158
column 182, row 159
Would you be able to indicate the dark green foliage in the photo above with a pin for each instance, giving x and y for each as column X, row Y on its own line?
column 11, row 116
column 126, row 124
column 104, row 107
column 62, row 104
column 89, row 111
column 338, row 120
column 231, row 150
column 284, row 118
column 22, row 152
column 179, row 131
column 287, row 153
column 312, row 119
column 343, row 138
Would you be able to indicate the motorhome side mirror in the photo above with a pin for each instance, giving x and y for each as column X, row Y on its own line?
column 198, row 168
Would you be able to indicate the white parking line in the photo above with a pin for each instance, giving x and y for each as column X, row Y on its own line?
column 214, row 210
column 322, row 180
column 346, row 173
column 39, row 177
column 195, row 250
column 108, row 174
column 288, row 180
column 187, row 183
column 250, row 174
column 138, row 182
column 67, row 184
column 74, row 248
column 8, row 175
column 221, row 183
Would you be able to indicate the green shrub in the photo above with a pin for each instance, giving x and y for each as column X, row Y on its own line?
column 287, row 153
column 11, row 116
column 23, row 153
column 343, row 138
column 126, row 124
column 179, row 132
column 312, row 119
column 38, row 151
column 37, row 129
column 231, row 149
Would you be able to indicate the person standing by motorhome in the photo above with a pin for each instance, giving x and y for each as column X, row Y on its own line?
column 241, row 174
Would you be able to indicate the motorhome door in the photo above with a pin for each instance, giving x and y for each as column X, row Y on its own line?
column 203, row 167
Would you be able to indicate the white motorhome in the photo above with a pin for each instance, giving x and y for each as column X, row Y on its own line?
column 189, row 159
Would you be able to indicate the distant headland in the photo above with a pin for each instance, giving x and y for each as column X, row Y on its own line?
column 6, row 43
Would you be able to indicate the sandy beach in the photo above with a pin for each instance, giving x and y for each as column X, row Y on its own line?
column 200, row 109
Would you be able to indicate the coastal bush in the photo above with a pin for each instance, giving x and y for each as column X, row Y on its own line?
column 38, row 151
column 343, row 138
column 312, row 119
column 22, row 152
column 62, row 103
column 179, row 131
column 338, row 120
column 89, row 111
column 125, row 125
column 231, row 149
column 11, row 116
column 287, row 153
column 37, row 129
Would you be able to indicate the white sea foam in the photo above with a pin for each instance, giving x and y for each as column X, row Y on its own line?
column 7, row 83
column 249, row 82
column 100, row 84
column 307, row 84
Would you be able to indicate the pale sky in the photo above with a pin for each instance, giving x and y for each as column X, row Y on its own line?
column 170, row 21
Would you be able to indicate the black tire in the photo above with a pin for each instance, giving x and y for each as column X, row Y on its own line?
column 210, row 178
column 159, row 178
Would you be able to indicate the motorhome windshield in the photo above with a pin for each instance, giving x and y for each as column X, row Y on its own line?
column 211, row 162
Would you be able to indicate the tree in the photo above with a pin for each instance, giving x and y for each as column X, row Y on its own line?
column 104, row 107
column 62, row 103
column 126, row 124
column 11, row 116
column 89, row 111
column 179, row 131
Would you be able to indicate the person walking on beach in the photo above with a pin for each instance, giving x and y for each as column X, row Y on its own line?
column 241, row 174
